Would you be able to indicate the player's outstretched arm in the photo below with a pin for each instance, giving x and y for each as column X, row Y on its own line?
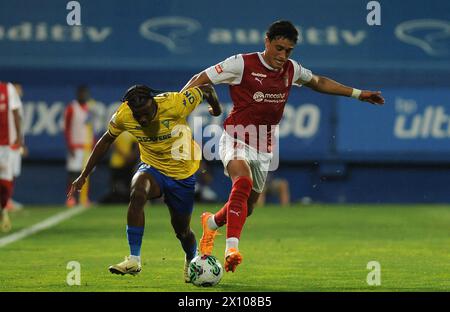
column 210, row 95
column 197, row 80
column 99, row 151
column 329, row 86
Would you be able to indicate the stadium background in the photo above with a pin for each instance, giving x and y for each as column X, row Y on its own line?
column 332, row 149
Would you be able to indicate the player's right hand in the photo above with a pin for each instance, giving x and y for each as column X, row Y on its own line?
column 76, row 185
column 373, row 97
column 18, row 143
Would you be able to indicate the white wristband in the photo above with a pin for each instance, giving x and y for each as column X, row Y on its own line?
column 356, row 93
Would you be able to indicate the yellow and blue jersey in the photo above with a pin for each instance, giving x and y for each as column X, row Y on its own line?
column 166, row 143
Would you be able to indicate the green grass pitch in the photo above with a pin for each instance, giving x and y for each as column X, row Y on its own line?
column 300, row 248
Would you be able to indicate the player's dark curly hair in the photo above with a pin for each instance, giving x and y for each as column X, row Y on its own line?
column 282, row 29
column 138, row 95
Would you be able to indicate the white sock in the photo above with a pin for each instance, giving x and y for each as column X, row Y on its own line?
column 212, row 223
column 137, row 258
column 232, row 242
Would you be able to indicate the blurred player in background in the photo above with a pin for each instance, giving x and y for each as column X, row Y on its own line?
column 259, row 88
column 78, row 135
column 124, row 158
column 203, row 187
column 170, row 158
column 278, row 187
column 17, row 154
column 10, row 138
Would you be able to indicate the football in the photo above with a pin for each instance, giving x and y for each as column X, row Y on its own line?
column 205, row 271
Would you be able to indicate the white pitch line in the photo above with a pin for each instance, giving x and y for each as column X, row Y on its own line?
column 47, row 223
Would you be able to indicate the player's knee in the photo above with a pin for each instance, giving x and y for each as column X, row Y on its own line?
column 138, row 196
column 183, row 234
column 284, row 184
column 238, row 168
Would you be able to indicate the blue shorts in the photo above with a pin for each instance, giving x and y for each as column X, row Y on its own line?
column 178, row 194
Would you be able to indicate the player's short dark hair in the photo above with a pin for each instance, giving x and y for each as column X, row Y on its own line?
column 138, row 95
column 282, row 29
column 82, row 88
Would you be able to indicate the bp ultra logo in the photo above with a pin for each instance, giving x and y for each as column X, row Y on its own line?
column 414, row 121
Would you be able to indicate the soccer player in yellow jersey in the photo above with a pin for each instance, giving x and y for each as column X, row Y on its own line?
column 169, row 156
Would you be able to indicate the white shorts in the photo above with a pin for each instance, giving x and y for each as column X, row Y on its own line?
column 75, row 162
column 258, row 162
column 6, row 164
column 16, row 162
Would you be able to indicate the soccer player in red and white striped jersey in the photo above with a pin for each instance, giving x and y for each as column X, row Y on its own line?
column 259, row 88
column 10, row 138
column 17, row 153
column 76, row 132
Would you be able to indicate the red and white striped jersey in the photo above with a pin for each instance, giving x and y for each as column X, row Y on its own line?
column 76, row 117
column 9, row 101
column 258, row 91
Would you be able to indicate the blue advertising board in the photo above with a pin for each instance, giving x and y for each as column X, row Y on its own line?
column 412, row 125
column 181, row 34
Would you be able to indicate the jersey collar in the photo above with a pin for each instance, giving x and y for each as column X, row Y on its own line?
column 264, row 62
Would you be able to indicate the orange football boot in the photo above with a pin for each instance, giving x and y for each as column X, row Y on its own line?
column 232, row 259
column 207, row 240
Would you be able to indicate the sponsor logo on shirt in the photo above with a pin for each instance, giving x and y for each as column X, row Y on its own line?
column 218, row 68
column 154, row 139
column 258, row 96
column 259, row 75
column 259, row 80
column 165, row 123
column 269, row 97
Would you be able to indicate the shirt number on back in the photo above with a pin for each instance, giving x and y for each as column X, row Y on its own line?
column 190, row 97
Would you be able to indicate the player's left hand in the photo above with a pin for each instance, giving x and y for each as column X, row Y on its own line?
column 213, row 113
column 76, row 186
column 373, row 97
